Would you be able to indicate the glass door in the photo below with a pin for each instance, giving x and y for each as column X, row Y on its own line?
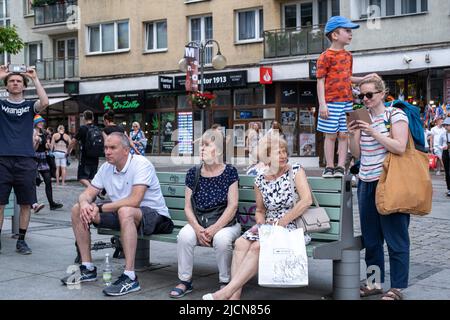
column 65, row 62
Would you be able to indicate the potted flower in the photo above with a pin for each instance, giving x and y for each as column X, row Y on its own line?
column 201, row 99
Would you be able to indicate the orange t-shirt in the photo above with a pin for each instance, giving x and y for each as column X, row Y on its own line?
column 336, row 67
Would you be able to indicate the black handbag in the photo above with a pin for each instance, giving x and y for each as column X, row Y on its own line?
column 207, row 217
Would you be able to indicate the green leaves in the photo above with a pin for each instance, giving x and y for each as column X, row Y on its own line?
column 10, row 41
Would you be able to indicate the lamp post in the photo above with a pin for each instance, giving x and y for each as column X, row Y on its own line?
column 218, row 62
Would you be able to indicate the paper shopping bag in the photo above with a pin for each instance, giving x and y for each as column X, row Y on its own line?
column 283, row 262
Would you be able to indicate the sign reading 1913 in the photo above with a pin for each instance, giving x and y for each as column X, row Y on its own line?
column 121, row 101
column 235, row 79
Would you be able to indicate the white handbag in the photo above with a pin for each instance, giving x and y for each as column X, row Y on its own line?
column 283, row 262
column 314, row 219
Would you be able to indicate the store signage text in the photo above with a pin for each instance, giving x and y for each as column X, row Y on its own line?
column 236, row 79
column 110, row 104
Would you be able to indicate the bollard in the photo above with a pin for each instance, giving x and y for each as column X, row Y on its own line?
column 346, row 274
column 15, row 221
column 142, row 259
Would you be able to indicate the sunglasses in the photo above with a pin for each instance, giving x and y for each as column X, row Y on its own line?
column 369, row 95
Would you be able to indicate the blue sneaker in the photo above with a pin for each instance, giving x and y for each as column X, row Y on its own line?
column 84, row 275
column 122, row 286
column 22, row 247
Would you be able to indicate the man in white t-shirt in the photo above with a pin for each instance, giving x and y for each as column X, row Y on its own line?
column 137, row 205
column 436, row 133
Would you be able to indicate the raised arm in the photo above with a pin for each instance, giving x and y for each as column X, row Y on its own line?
column 43, row 102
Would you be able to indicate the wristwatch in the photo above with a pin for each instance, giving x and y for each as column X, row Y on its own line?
column 100, row 207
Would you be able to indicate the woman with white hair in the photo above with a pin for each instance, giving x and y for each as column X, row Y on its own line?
column 60, row 144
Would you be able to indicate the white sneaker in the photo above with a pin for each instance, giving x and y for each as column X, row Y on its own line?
column 438, row 173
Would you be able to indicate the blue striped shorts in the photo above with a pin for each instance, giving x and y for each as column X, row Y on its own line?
column 337, row 121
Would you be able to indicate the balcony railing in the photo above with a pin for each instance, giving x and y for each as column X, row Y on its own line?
column 53, row 13
column 294, row 42
column 52, row 69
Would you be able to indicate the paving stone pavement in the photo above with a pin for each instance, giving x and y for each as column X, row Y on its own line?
column 430, row 254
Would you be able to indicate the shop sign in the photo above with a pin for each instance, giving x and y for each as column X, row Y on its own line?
column 265, row 75
column 165, row 83
column 125, row 101
column 219, row 80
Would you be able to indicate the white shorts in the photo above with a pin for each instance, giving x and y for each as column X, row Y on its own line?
column 438, row 152
column 60, row 159
column 337, row 120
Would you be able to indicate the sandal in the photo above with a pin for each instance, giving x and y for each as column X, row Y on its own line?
column 180, row 292
column 392, row 294
column 365, row 291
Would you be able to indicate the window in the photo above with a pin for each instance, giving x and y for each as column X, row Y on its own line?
column 250, row 25
column 27, row 7
column 33, row 53
column 201, row 29
column 386, row 8
column 309, row 13
column 109, row 37
column 156, row 36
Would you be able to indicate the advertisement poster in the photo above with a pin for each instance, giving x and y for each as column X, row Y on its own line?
column 239, row 135
column 307, row 144
column 185, row 133
column 288, row 117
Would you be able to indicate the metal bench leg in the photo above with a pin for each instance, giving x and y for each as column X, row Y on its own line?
column 346, row 276
column 142, row 259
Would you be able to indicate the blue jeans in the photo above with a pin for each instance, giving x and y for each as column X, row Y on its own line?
column 376, row 228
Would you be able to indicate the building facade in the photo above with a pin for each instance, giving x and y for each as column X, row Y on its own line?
column 129, row 53
column 51, row 45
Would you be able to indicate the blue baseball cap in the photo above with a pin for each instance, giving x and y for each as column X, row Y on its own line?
column 339, row 22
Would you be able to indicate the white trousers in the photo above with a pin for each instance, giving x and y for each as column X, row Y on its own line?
column 223, row 246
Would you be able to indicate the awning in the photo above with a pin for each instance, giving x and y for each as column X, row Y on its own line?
column 57, row 100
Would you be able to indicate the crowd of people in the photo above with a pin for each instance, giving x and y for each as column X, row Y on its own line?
column 135, row 202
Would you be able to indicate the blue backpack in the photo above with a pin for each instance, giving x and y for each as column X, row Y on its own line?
column 415, row 123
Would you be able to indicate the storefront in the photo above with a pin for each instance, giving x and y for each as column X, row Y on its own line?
column 169, row 119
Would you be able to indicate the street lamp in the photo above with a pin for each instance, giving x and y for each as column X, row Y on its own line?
column 218, row 62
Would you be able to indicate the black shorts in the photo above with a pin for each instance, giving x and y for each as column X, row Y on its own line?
column 86, row 171
column 162, row 224
column 18, row 173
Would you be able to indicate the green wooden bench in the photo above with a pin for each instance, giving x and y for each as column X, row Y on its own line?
column 338, row 244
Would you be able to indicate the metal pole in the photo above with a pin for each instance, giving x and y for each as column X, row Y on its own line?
column 202, row 85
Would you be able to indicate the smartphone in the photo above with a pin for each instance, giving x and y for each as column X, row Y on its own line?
column 17, row 68
column 359, row 114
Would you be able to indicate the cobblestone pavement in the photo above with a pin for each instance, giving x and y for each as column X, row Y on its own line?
column 430, row 235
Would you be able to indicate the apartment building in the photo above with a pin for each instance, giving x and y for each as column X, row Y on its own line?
column 51, row 45
column 129, row 53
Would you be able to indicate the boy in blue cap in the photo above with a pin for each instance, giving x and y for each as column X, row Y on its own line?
column 334, row 90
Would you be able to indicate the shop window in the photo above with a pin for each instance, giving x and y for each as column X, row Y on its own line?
column 298, row 125
column 166, row 129
column 167, row 102
column 182, row 102
column 249, row 96
column 223, row 98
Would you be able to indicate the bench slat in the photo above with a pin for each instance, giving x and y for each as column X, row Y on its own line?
column 171, row 177
column 172, row 190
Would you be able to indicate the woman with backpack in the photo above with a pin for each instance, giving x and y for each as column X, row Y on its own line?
column 60, row 144
column 371, row 143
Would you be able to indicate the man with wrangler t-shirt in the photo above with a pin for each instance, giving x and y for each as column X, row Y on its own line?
column 17, row 164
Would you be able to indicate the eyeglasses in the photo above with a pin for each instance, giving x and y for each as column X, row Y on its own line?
column 369, row 95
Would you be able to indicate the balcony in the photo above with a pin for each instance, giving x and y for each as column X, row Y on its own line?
column 54, row 69
column 294, row 42
column 55, row 18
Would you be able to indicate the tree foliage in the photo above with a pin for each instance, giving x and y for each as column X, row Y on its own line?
column 10, row 41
